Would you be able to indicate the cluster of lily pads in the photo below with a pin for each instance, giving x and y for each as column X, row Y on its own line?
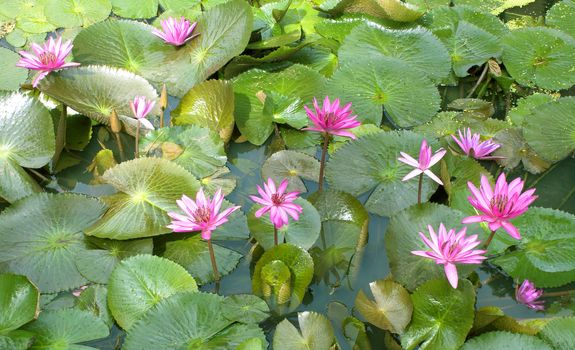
column 192, row 174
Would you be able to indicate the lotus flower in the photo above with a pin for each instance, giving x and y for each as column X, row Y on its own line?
column 277, row 202
column 203, row 214
column 501, row 204
column 49, row 57
column 141, row 107
column 527, row 295
column 472, row 145
column 176, row 32
column 331, row 118
column 426, row 161
column 450, row 248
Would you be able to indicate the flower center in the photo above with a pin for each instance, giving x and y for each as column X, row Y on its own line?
column 330, row 118
column 499, row 202
column 278, row 199
column 47, row 58
column 202, row 214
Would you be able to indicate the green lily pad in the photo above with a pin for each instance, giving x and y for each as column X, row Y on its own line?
column 209, row 104
column 221, row 179
column 262, row 98
column 373, row 84
column 51, row 238
column 293, row 166
column 302, row 233
column 198, row 150
column 560, row 16
column 149, row 188
column 560, row 333
column 391, row 309
column 190, row 321
column 193, row 254
column 139, row 283
column 556, row 140
column 355, row 168
column 135, row 8
column 96, row 91
column 514, row 150
column 495, row 7
column 494, row 340
column 11, row 76
column 178, row 5
column 75, row 13
column 442, row 316
column 30, row 16
column 316, row 333
column 417, row 47
column 98, row 263
column 19, row 302
column 526, row 106
column 17, row 340
column 400, row 11
column 245, row 308
column 94, row 299
column 78, row 132
column 556, row 186
column 541, row 57
column 66, row 328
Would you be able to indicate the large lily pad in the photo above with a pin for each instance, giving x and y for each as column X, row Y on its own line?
column 442, row 316
column 140, row 283
column 149, row 188
column 316, row 333
column 541, row 57
column 96, row 91
column 494, row 340
column 51, row 237
column 370, row 163
column 11, row 76
column 560, row 333
column 190, row 321
column 19, row 302
column 293, row 166
column 560, row 16
column 75, row 13
column 135, row 8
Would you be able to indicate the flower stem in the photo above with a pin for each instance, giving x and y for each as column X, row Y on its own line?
column 488, row 242
column 213, row 259
column 322, row 163
column 419, row 187
column 60, row 135
column 275, row 235
column 137, row 150
column 483, row 73
column 120, row 146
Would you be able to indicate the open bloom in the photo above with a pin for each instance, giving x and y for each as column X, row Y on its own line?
column 176, row 32
column 426, row 161
column 331, row 118
column 49, row 57
column 277, row 202
column 473, row 147
column 449, row 248
column 500, row 204
column 203, row 214
column 141, row 107
column 527, row 295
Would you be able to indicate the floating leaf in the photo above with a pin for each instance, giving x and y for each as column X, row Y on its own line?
column 560, row 333
column 149, row 188
column 51, row 237
column 19, row 302
column 514, row 150
column 75, row 13
column 221, row 179
column 139, row 283
column 391, row 309
column 541, row 57
column 209, row 104
column 293, row 166
column 245, row 308
column 11, row 76
column 526, row 106
column 135, row 8
column 560, row 16
column 495, row 6
column 370, row 164
column 95, row 300
column 316, row 333
column 400, row 11
column 556, row 186
column 78, row 132
column 493, row 340
column 442, row 316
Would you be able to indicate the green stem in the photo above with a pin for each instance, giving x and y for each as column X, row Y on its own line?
column 322, row 163
column 120, row 146
column 483, row 73
column 559, row 294
column 213, row 259
column 275, row 235
column 60, row 135
column 488, row 242
column 419, row 187
column 137, row 150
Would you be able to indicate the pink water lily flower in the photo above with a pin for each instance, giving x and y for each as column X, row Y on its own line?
column 331, row 118
column 203, row 214
column 449, row 248
column 141, row 107
column 176, row 32
column 49, row 57
column 472, row 145
column 426, row 161
column 528, row 295
column 500, row 204
column 277, row 202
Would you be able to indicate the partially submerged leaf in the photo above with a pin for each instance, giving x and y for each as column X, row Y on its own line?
column 316, row 333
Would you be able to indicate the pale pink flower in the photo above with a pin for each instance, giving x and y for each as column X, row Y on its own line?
column 77, row 292
column 141, row 107
column 527, row 295
column 472, row 145
column 277, row 202
column 426, row 161
column 49, row 57
column 331, row 118
column 449, row 248
column 501, row 204
column 176, row 32
column 203, row 214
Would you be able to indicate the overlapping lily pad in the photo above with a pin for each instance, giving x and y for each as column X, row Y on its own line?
column 19, row 302
column 75, row 13
column 560, row 16
column 10, row 76
column 293, row 166
column 315, row 333
column 493, row 340
column 560, row 333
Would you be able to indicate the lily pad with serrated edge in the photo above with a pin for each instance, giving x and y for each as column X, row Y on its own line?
column 560, row 16
column 75, row 13
column 560, row 333
column 245, row 308
column 492, row 340
column 293, row 166
column 11, row 76
column 316, row 332
column 514, row 150
column 19, row 302
column 525, row 107
column 400, row 11
column 494, row 7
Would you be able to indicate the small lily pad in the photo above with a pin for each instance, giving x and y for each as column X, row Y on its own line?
column 316, row 333
column 19, row 302
column 293, row 166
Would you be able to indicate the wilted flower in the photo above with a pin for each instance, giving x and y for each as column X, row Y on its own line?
column 450, row 248
column 527, row 295
column 141, row 106
column 200, row 215
column 501, row 204
column 472, row 145
column 49, row 57
column 426, row 161
column 176, row 32
column 277, row 202
column 331, row 118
